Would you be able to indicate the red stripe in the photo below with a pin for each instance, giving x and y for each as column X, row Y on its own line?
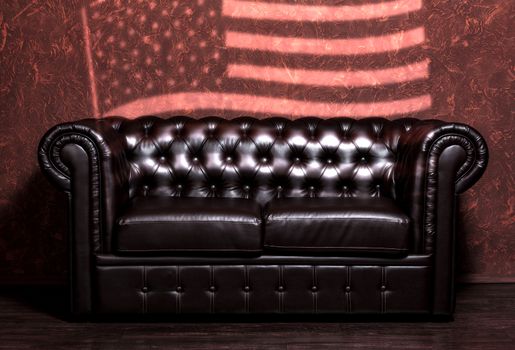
column 317, row 13
column 331, row 47
column 198, row 101
column 347, row 78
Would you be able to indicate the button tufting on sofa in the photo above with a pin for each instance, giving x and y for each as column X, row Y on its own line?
column 312, row 204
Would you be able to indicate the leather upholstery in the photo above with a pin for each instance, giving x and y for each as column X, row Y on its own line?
column 417, row 167
column 420, row 165
column 263, row 289
column 356, row 225
column 165, row 224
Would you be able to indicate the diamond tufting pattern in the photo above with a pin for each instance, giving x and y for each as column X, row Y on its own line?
column 261, row 159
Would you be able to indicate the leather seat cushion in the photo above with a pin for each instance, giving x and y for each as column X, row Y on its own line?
column 165, row 224
column 374, row 225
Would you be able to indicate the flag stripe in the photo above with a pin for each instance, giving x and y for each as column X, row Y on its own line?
column 348, row 78
column 335, row 47
column 317, row 13
column 337, row 63
column 197, row 101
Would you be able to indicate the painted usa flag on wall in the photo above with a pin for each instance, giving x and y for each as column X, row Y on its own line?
column 326, row 58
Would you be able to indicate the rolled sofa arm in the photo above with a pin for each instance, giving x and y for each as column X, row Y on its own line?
column 418, row 165
column 437, row 161
column 93, row 149
column 87, row 160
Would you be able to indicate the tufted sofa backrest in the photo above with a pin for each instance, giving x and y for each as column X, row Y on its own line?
column 261, row 159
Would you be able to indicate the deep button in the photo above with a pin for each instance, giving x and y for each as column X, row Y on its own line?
column 363, row 159
column 329, row 161
column 162, row 159
column 264, row 160
column 345, row 188
column 311, row 188
column 246, row 188
column 314, row 288
column 279, row 188
column 347, row 289
column 212, row 289
column 213, row 187
column 179, row 289
column 297, row 159
column 195, row 159
column 179, row 186
column 228, row 159
column 280, row 289
column 383, row 288
column 246, row 289
column 144, row 289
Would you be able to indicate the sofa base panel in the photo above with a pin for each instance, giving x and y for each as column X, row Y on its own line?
column 262, row 289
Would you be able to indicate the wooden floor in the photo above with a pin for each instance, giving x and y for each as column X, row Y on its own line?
column 33, row 318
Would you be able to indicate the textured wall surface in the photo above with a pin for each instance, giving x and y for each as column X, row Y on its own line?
column 62, row 60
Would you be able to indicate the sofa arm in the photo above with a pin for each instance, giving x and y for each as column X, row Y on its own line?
column 455, row 151
column 436, row 161
column 87, row 160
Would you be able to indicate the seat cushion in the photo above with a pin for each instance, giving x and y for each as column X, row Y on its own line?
column 374, row 225
column 164, row 224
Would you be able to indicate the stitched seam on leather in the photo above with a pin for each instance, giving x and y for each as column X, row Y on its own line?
column 333, row 247
column 315, row 295
column 272, row 218
column 128, row 223
column 188, row 250
column 179, row 283
column 144, row 293
column 349, row 277
column 281, row 283
column 247, row 284
column 212, row 284
column 382, row 293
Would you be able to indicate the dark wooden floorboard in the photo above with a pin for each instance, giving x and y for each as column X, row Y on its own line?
column 34, row 318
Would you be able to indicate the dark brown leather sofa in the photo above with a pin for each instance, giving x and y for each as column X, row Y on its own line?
column 180, row 215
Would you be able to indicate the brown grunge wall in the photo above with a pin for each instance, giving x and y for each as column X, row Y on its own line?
column 62, row 60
